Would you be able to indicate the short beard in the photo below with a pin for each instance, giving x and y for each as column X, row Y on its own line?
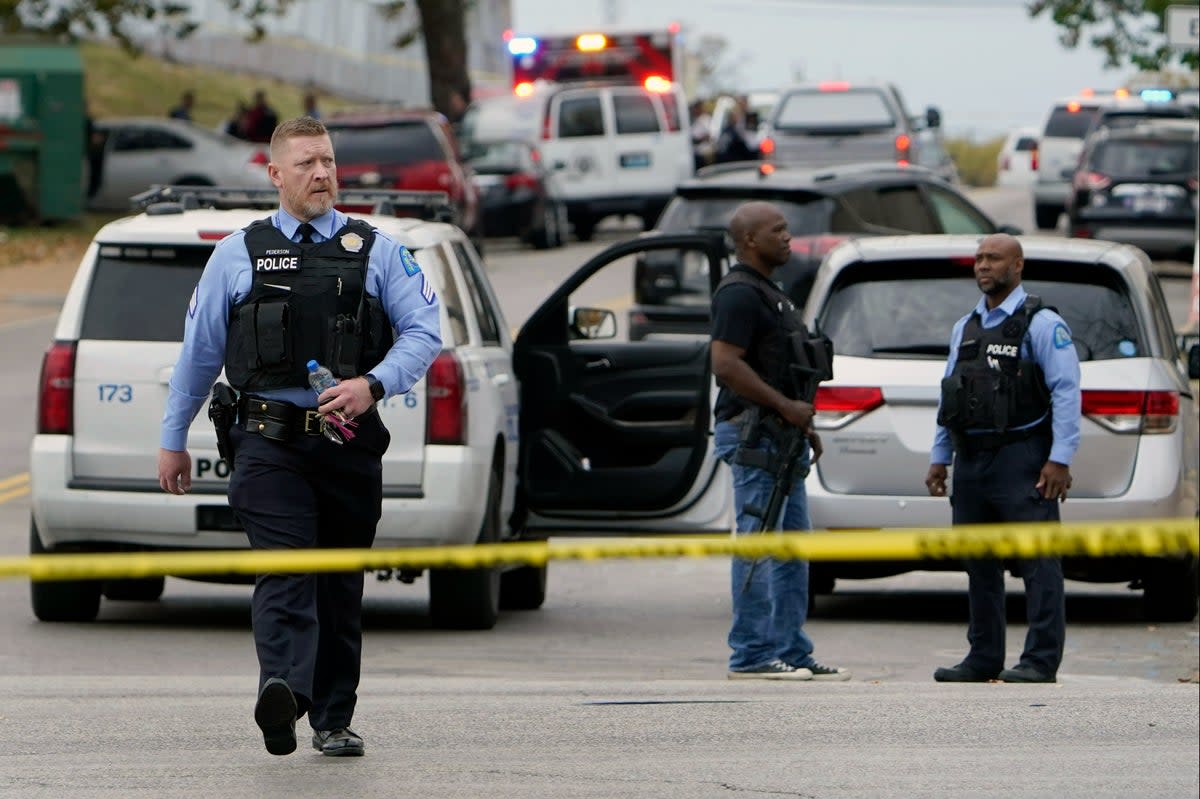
column 999, row 285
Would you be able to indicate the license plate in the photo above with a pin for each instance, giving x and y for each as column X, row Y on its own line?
column 1150, row 204
column 635, row 160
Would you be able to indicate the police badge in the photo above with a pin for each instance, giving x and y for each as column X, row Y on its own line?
column 351, row 242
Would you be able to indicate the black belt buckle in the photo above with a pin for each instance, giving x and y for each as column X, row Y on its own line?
column 312, row 422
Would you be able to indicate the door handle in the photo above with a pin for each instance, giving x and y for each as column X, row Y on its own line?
column 599, row 363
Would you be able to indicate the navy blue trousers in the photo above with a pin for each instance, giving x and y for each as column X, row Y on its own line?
column 999, row 486
column 306, row 493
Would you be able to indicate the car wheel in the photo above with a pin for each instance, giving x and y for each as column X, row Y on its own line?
column 145, row 589
column 1046, row 216
column 585, row 228
column 547, row 236
column 523, row 588
column 1170, row 590
column 469, row 599
column 61, row 600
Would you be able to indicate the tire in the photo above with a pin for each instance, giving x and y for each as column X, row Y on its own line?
column 61, row 600
column 585, row 228
column 1170, row 590
column 469, row 599
column 523, row 588
column 548, row 236
column 147, row 589
column 1046, row 216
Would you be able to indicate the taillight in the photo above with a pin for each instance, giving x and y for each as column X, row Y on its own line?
column 1005, row 164
column 815, row 247
column 446, row 411
column 1033, row 159
column 838, row 406
column 1091, row 181
column 1132, row 411
column 903, row 148
column 521, row 180
column 56, row 395
column 260, row 158
column 766, row 147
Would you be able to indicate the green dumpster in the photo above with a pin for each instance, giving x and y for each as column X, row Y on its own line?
column 42, row 122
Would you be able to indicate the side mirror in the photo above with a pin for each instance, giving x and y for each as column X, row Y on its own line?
column 933, row 117
column 593, row 323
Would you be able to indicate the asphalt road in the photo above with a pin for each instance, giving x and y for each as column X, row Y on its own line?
column 614, row 689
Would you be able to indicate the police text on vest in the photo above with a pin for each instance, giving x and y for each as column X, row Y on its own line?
column 276, row 264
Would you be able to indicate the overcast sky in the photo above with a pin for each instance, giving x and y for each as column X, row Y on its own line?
column 985, row 63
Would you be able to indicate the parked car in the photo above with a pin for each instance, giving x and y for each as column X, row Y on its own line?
column 889, row 304
column 837, row 122
column 465, row 464
column 1059, row 146
column 411, row 150
column 617, row 149
column 1138, row 185
column 823, row 207
column 1017, row 161
column 140, row 152
column 519, row 195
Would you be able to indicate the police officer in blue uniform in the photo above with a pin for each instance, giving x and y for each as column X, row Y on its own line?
column 307, row 283
column 1009, row 416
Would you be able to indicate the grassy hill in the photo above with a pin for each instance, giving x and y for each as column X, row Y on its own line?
column 120, row 84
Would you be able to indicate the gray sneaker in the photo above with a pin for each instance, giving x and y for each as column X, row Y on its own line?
column 342, row 742
column 775, row 670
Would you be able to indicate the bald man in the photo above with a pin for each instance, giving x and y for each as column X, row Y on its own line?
column 754, row 323
column 1009, row 422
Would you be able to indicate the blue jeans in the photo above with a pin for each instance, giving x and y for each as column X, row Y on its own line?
column 768, row 612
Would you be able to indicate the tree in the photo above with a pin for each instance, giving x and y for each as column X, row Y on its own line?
column 716, row 71
column 442, row 23
column 1125, row 30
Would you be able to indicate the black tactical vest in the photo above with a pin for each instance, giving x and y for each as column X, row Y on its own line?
column 787, row 359
column 992, row 388
column 306, row 301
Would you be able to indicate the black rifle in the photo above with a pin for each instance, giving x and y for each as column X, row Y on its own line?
column 783, row 464
column 222, row 412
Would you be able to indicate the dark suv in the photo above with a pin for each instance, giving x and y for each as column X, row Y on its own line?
column 1138, row 186
column 823, row 207
column 412, row 150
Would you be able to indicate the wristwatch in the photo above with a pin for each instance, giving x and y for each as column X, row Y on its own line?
column 377, row 390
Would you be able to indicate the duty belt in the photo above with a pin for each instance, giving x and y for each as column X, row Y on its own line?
column 972, row 443
column 279, row 421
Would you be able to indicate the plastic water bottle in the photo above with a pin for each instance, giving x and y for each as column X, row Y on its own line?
column 320, row 378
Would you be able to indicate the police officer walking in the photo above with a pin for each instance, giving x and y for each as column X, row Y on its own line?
column 1009, row 420
column 306, row 283
column 756, row 332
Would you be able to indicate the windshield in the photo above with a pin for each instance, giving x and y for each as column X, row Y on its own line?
column 156, row 281
column 805, row 214
column 1067, row 124
column 1145, row 157
column 401, row 142
column 855, row 108
column 874, row 316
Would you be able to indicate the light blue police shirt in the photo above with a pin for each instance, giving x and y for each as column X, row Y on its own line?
column 1048, row 344
column 392, row 276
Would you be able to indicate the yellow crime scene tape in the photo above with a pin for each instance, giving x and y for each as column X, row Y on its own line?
column 1110, row 539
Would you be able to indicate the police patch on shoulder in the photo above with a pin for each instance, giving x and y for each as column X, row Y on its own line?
column 193, row 302
column 410, row 264
column 1061, row 337
column 427, row 290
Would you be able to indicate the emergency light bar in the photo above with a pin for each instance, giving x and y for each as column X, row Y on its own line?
column 640, row 58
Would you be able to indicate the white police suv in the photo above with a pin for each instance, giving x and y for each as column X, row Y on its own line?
column 610, row 440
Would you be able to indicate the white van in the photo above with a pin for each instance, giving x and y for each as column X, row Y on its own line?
column 1017, row 161
column 1068, row 123
column 618, row 149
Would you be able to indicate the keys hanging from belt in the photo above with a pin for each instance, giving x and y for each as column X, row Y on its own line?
column 336, row 427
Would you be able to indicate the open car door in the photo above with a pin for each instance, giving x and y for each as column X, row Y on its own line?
column 615, row 433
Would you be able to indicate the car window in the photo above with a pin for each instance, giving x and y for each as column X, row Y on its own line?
column 433, row 261
column 1144, row 157
column 133, row 139
column 1026, row 144
column 485, row 314
column 1067, row 124
column 855, row 108
column 886, row 208
column 634, row 113
column 157, row 281
column 870, row 315
column 580, row 116
column 955, row 215
column 670, row 110
column 395, row 143
column 805, row 214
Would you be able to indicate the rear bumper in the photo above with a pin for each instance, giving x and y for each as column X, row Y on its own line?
column 449, row 510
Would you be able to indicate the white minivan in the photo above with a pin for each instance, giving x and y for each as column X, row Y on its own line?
column 618, row 149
